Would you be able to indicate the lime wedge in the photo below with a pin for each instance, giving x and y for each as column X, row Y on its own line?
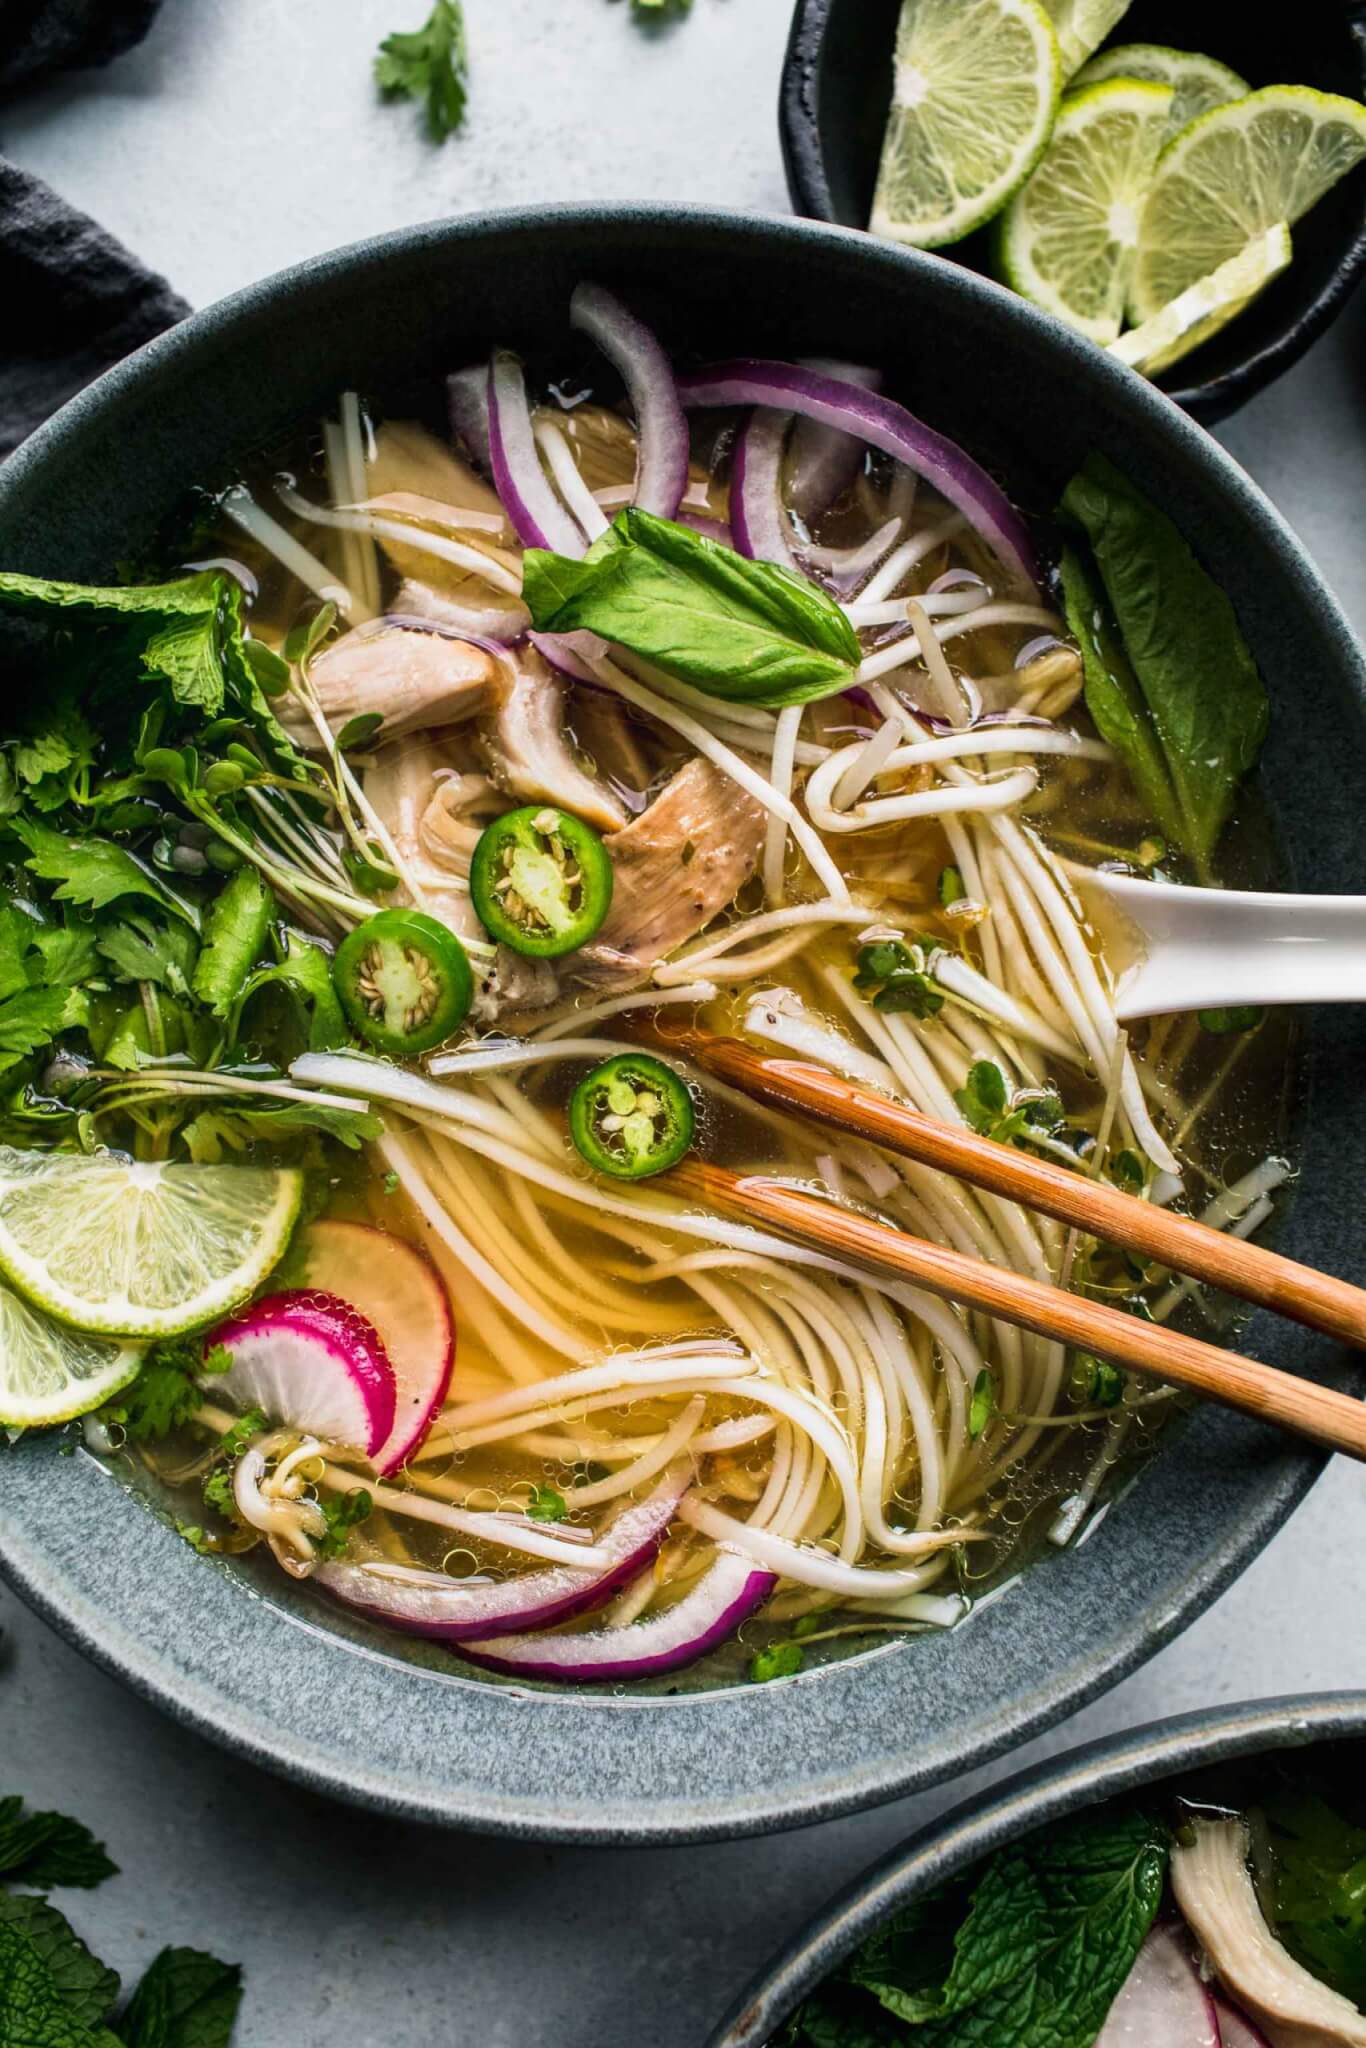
column 1233, row 174
column 1203, row 308
column 1081, row 25
column 1197, row 82
column 129, row 1249
column 48, row 1374
column 1067, row 239
column 976, row 89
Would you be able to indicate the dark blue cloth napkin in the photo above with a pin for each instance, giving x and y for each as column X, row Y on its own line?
column 75, row 299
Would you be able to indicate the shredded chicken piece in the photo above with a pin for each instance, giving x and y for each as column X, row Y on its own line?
column 1214, row 1890
column 614, row 743
column 403, row 784
column 528, row 749
column 676, row 867
column 416, row 681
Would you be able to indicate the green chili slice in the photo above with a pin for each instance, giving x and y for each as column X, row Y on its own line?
column 541, row 881
column 404, row 981
column 631, row 1116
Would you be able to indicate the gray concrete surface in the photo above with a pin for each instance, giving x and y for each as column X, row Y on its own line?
column 242, row 136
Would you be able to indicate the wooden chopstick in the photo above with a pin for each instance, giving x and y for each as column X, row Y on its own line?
column 1247, row 1270
column 1331, row 1419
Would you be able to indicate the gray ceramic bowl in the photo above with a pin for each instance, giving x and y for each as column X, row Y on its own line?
column 274, row 1674
column 1048, row 1793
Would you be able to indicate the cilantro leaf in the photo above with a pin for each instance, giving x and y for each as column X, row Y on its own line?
column 85, row 1986
column 546, row 1505
column 306, row 972
column 430, row 64
column 185, row 2000
column 141, row 948
column 67, row 955
column 92, row 871
column 164, row 1395
column 226, row 1129
column 33, row 1019
column 45, row 1849
column 342, row 1513
column 17, row 933
column 779, row 1660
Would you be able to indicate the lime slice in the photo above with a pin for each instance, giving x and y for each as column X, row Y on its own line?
column 48, row 1374
column 977, row 85
column 1081, row 25
column 140, row 1250
column 1199, row 83
column 1067, row 240
column 1203, row 308
column 1232, row 175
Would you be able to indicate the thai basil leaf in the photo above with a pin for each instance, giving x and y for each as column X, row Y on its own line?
column 743, row 631
column 1186, row 707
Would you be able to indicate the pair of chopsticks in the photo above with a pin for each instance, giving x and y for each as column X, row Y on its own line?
column 1178, row 1242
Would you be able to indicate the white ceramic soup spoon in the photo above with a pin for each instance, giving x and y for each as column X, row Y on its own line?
column 1206, row 949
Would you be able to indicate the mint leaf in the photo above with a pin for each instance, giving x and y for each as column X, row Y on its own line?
column 84, row 1985
column 33, row 2013
column 94, row 872
column 1186, row 708
column 430, row 64
column 45, row 1849
column 186, row 2000
column 184, row 622
column 739, row 630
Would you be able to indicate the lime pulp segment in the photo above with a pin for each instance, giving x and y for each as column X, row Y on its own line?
column 1232, row 175
column 1198, row 83
column 49, row 1374
column 123, row 1248
column 1203, row 308
column 976, row 89
column 1067, row 239
column 1081, row 26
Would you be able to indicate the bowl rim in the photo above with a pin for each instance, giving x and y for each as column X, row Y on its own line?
column 684, row 1804
column 1210, row 400
column 1050, row 1790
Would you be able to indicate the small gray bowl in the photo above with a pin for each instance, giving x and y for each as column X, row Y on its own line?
column 837, row 85
column 1048, row 1793
column 275, row 1673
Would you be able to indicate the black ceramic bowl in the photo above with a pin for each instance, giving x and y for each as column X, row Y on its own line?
column 271, row 1670
column 837, row 87
column 1047, row 1794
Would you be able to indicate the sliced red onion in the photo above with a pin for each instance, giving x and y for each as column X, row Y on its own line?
column 1235, row 2028
column 757, row 517
column 455, row 1611
column 714, row 529
column 1163, row 1998
column 729, row 1593
column 1043, row 643
column 661, row 425
column 822, row 461
column 882, row 424
column 467, row 400
column 567, row 651
column 960, row 579
column 538, row 518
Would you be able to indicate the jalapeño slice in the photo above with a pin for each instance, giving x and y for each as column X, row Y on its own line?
column 631, row 1116
column 404, row 981
column 541, row 881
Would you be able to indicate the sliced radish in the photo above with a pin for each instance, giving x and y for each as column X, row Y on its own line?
column 426, row 1604
column 1163, row 1998
column 728, row 1595
column 399, row 1290
column 1236, row 2029
column 312, row 1361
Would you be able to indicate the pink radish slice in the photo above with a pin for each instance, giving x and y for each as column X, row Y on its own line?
column 1163, row 1998
column 312, row 1361
column 453, row 1613
column 715, row 1608
column 1236, row 2029
column 398, row 1290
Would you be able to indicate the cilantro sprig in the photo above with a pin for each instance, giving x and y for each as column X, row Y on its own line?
column 431, row 65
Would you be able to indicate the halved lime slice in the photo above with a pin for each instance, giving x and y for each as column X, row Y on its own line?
column 1067, row 240
column 1203, row 308
column 126, row 1249
column 1233, row 174
column 977, row 85
column 1199, row 83
column 48, row 1374
column 1081, row 26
